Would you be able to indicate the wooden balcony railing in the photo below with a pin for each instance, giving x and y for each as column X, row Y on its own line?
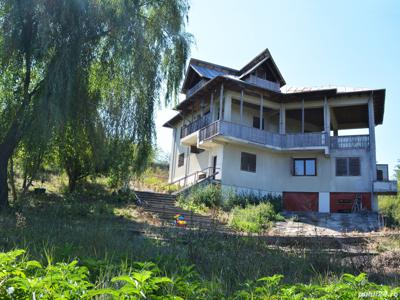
column 350, row 142
column 196, row 87
column 195, row 125
column 274, row 140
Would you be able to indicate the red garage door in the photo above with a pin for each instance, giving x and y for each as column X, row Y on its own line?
column 343, row 202
column 300, row 201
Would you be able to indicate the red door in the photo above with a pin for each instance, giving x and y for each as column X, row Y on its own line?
column 343, row 202
column 293, row 201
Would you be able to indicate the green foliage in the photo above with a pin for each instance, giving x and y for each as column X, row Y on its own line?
column 76, row 68
column 24, row 279
column 348, row 287
column 250, row 198
column 254, row 218
column 200, row 198
column 389, row 206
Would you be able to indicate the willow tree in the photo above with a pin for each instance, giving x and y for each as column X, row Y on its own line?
column 121, row 53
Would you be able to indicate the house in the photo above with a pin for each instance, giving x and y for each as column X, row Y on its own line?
column 245, row 130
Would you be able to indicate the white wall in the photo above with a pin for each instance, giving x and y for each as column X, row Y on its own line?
column 273, row 171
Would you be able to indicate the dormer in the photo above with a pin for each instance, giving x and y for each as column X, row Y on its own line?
column 199, row 72
column 262, row 71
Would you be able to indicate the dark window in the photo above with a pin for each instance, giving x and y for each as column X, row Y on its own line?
column 256, row 123
column 304, row 167
column 248, row 162
column 348, row 166
column 181, row 159
column 194, row 149
column 379, row 175
column 341, row 166
column 354, row 166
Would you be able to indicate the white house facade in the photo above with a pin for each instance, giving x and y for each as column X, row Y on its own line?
column 243, row 129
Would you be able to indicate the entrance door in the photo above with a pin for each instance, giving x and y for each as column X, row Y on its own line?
column 214, row 166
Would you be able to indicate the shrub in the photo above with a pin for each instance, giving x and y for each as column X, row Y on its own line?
column 23, row 279
column 202, row 197
column 389, row 206
column 250, row 198
column 254, row 218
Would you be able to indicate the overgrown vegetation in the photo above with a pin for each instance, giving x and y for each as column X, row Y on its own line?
column 247, row 212
column 200, row 198
column 24, row 279
column 254, row 218
column 105, row 233
column 389, row 206
column 250, row 198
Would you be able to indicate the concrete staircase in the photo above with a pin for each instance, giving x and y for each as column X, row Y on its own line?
column 163, row 207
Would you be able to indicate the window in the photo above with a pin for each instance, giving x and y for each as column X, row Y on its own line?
column 194, row 149
column 348, row 166
column 181, row 159
column 256, row 123
column 304, row 167
column 248, row 162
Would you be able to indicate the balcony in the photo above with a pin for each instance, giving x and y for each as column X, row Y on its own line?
column 316, row 141
column 388, row 187
column 350, row 142
column 196, row 87
column 195, row 125
column 273, row 86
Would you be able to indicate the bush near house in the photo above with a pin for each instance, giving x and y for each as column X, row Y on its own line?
column 389, row 206
column 201, row 198
column 250, row 198
column 254, row 218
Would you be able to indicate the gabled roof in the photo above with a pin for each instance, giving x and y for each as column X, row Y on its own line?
column 264, row 56
column 208, row 70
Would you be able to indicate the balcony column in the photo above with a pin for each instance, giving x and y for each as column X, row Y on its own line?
column 282, row 119
column 228, row 108
column 371, row 123
column 261, row 111
column 221, row 98
column 241, row 107
column 202, row 107
column 327, row 120
column 302, row 115
column 212, row 107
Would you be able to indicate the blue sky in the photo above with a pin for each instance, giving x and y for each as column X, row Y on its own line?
column 314, row 43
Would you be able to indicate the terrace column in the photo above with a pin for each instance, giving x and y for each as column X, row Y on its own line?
column 221, row 98
column 302, row 115
column 241, row 107
column 228, row 108
column 261, row 111
column 327, row 120
column 371, row 123
column 372, row 149
column 212, row 107
column 282, row 119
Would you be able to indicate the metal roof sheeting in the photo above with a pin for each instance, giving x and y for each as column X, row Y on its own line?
column 207, row 72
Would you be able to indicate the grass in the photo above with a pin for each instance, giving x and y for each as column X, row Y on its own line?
column 23, row 279
column 103, row 232
column 254, row 218
column 389, row 206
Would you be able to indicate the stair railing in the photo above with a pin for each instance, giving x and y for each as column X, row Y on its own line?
column 193, row 178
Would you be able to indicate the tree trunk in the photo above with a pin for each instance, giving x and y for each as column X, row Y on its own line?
column 72, row 180
column 12, row 180
column 3, row 184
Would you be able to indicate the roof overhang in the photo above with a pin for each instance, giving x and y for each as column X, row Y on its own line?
column 234, row 84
